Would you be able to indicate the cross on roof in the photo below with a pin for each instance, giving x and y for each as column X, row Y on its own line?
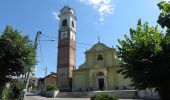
column 98, row 39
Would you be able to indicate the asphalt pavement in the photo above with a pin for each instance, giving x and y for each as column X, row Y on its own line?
column 31, row 96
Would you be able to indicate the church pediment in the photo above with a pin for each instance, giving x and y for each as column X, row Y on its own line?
column 98, row 47
column 99, row 56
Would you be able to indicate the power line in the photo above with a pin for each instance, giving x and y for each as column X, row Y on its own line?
column 41, row 55
column 49, row 36
column 76, row 41
column 84, row 43
column 45, row 85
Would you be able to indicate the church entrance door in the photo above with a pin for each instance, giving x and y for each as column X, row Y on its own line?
column 101, row 83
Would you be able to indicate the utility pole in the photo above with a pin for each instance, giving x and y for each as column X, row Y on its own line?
column 28, row 75
column 45, row 83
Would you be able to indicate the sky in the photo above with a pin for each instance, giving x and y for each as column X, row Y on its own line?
column 107, row 19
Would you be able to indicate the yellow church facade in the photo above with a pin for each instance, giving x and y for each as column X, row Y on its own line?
column 99, row 71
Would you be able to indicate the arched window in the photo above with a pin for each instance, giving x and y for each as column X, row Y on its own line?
column 100, row 74
column 64, row 23
column 72, row 24
column 99, row 58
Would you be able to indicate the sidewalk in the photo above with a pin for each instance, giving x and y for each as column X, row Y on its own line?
column 32, row 96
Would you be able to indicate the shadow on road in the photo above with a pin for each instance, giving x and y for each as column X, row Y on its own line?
column 32, row 94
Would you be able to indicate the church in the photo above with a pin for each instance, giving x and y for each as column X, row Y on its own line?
column 97, row 73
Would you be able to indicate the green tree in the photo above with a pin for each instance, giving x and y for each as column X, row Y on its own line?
column 164, row 21
column 164, row 17
column 16, row 90
column 5, row 94
column 145, row 58
column 17, row 55
column 31, row 84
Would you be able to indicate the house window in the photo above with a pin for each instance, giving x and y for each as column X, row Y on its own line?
column 72, row 24
column 64, row 23
column 100, row 58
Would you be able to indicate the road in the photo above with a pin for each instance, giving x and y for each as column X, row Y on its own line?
column 37, row 97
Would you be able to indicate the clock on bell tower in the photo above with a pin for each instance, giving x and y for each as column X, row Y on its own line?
column 66, row 48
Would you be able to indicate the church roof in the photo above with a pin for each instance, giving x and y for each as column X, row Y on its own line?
column 99, row 47
column 67, row 9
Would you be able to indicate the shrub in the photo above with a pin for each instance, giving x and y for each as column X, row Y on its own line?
column 17, row 88
column 5, row 93
column 51, row 87
column 103, row 97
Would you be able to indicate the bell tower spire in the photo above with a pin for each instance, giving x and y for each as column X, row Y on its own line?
column 66, row 48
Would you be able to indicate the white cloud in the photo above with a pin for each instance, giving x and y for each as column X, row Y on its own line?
column 55, row 14
column 103, row 7
column 157, row 1
column 101, row 19
column 165, row 0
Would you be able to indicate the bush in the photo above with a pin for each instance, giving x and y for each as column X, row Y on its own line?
column 51, row 87
column 17, row 88
column 5, row 93
column 103, row 97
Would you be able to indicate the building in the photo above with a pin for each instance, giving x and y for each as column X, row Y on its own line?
column 40, row 84
column 66, row 48
column 44, row 82
column 99, row 72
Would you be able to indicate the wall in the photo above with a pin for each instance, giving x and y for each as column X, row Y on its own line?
column 123, row 82
column 80, row 81
column 50, row 80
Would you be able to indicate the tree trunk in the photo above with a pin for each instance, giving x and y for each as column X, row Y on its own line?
column 164, row 93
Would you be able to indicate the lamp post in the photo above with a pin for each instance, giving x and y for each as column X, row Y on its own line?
column 28, row 75
column 45, row 81
column 35, row 46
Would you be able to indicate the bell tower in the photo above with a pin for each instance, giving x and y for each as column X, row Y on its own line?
column 66, row 48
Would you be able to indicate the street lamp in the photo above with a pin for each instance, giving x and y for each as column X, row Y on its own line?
column 35, row 46
column 28, row 76
column 45, row 81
